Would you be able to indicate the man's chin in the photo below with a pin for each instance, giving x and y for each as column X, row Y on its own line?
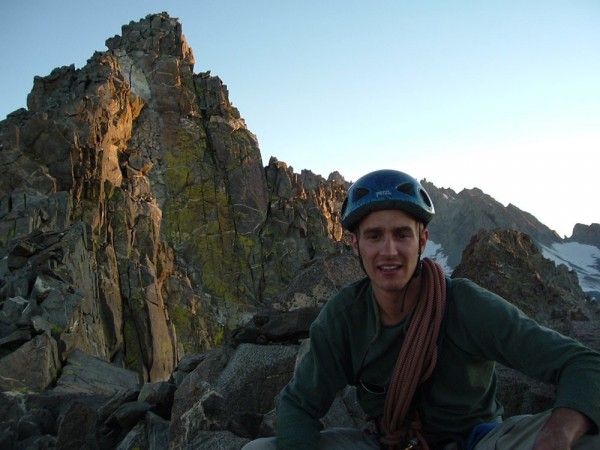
column 392, row 286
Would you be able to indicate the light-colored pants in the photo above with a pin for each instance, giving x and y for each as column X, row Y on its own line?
column 515, row 433
column 519, row 432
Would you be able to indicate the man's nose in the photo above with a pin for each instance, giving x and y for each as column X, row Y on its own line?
column 389, row 246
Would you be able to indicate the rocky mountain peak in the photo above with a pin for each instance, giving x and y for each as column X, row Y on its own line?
column 157, row 34
column 586, row 234
column 132, row 193
column 509, row 263
column 460, row 216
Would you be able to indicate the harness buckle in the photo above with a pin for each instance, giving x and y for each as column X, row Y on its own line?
column 412, row 445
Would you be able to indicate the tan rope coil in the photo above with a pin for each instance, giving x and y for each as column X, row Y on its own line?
column 416, row 361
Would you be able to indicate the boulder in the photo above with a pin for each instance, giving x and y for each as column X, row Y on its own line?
column 89, row 375
column 31, row 367
column 231, row 393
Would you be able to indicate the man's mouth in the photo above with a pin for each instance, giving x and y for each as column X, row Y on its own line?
column 388, row 267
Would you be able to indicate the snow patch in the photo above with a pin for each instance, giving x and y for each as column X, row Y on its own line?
column 436, row 252
column 582, row 258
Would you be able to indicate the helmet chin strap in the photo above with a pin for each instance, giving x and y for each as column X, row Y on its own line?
column 362, row 266
column 419, row 267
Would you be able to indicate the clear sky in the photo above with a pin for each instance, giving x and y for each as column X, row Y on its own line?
column 499, row 95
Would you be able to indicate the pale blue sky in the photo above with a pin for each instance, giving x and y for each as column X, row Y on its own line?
column 500, row 95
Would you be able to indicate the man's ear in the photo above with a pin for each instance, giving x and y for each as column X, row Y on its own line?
column 423, row 239
column 354, row 242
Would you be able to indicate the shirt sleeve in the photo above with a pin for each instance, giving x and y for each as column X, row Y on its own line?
column 497, row 330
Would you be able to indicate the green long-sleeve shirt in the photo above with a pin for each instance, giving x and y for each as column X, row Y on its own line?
column 480, row 327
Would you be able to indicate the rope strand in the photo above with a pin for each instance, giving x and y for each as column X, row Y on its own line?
column 416, row 361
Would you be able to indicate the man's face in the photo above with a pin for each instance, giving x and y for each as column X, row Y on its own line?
column 388, row 242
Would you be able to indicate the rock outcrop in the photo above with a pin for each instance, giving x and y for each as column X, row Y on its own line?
column 586, row 234
column 508, row 263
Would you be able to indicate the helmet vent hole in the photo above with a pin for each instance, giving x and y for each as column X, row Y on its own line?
column 406, row 188
column 425, row 198
column 359, row 193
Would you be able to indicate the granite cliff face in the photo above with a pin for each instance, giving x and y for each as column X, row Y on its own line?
column 137, row 221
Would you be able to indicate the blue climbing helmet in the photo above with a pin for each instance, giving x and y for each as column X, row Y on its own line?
column 386, row 189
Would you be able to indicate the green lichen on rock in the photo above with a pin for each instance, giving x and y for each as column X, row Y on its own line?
column 182, row 319
column 198, row 220
column 133, row 352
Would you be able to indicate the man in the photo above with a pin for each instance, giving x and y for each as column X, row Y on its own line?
column 420, row 348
